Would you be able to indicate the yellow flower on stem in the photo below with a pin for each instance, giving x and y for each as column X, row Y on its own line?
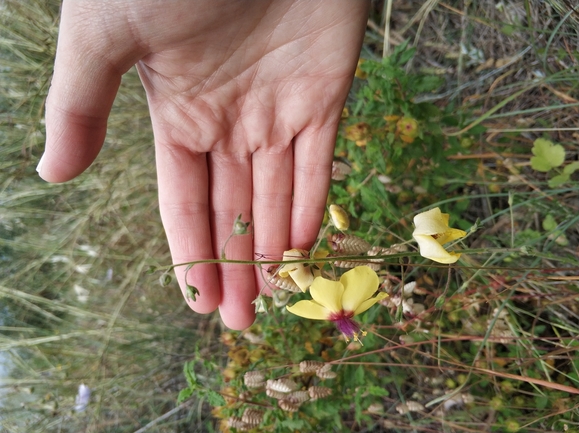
column 299, row 272
column 432, row 232
column 340, row 301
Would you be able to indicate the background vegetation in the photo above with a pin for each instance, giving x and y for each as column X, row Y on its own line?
column 469, row 111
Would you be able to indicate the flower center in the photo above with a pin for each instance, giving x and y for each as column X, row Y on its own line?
column 348, row 327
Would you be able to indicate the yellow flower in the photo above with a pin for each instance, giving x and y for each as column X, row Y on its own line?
column 339, row 301
column 432, row 232
column 299, row 272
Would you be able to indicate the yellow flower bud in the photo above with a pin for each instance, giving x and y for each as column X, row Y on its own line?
column 339, row 217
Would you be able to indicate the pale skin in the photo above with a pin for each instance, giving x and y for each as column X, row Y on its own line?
column 245, row 99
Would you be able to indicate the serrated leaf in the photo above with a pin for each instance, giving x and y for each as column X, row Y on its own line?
column 378, row 391
column 184, row 394
column 189, row 371
column 214, row 398
column 547, row 155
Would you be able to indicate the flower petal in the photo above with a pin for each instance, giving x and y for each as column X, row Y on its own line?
column 369, row 302
column 309, row 310
column 431, row 249
column 327, row 293
column 431, row 222
column 360, row 284
column 300, row 273
column 450, row 235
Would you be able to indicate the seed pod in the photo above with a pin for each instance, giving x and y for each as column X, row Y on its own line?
column 348, row 244
column 317, row 392
column 340, row 170
column 326, row 374
column 281, row 385
column 288, row 406
column 310, row 366
column 339, row 217
column 350, row 264
column 326, row 367
column 283, row 283
column 275, row 394
column 253, row 417
column 237, row 423
column 254, row 379
column 409, row 406
column 376, row 409
column 298, row 397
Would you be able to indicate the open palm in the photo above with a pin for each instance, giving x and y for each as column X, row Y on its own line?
column 245, row 98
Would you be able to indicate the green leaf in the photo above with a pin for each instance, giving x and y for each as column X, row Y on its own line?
column 378, row 391
column 549, row 223
column 571, row 168
column 214, row 398
column 189, row 371
column 558, row 180
column 184, row 394
column 547, row 155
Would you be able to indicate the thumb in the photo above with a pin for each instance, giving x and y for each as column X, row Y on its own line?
column 85, row 82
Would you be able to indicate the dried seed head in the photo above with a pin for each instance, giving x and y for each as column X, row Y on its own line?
column 326, row 374
column 339, row 217
column 349, row 264
column 237, row 423
column 348, row 244
column 376, row 409
column 310, row 366
column 254, row 379
column 317, row 392
column 409, row 406
column 340, row 170
column 288, row 406
column 402, row 409
column 275, row 394
column 281, row 385
column 298, row 397
column 326, row 367
column 253, row 417
column 284, row 283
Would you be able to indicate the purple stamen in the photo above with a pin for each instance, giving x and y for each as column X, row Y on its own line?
column 345, row 324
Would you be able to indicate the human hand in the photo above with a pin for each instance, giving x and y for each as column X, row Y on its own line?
column 245, row 98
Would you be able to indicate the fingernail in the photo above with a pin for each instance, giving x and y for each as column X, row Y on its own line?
column 39, row 166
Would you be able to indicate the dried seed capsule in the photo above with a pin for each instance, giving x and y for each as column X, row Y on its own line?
column 281, row 385
column 253, row 417
column 376, row 409
column 284, row 283
column 288, row 406
column 326, row 374
column 310, row 366
column 340, row 170
column 298, row 397
column 348, row 244
column 254, row 379
column 414, row 406
column 317, row 392
column 409, row 406
column 275, row 394
column 349, row 264
column 237, row 423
